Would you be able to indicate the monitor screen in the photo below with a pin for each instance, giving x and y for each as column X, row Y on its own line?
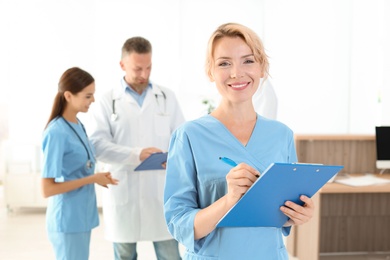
column 382, row 134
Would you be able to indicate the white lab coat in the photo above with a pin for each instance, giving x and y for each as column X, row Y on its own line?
column 133, row 209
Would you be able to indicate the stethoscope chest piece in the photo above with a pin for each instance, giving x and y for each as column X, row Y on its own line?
column 89, row 164
column 114, row 117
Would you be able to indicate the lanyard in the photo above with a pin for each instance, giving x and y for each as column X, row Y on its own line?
column 89, row 162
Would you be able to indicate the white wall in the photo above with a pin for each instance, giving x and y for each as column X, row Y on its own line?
column 309, row 42
column 329, row 58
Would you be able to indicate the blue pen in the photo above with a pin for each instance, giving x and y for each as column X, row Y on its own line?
column 228, row 161
column 231, row 163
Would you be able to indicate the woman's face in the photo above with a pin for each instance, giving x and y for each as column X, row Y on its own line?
column 82, row 100
column 235, row 71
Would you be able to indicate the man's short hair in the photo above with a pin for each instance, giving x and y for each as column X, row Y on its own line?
column 136, row 44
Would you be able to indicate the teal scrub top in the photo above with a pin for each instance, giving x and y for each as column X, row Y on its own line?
column 196, row 178
column 65, row 158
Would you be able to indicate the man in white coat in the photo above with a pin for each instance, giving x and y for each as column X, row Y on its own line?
column 132, row 121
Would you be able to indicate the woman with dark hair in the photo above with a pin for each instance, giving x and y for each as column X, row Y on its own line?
column 68, row 169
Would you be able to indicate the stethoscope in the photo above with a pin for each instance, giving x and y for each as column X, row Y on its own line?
column 114, row 115
column 89, row 163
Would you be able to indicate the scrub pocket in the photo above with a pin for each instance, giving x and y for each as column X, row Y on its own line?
column 119, row 193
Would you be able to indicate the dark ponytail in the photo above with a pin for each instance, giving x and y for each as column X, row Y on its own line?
column 73, row 80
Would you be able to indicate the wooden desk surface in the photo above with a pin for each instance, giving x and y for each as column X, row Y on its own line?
column 341, row 188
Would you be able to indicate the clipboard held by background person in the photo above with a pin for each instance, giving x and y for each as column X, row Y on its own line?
column 153, row 162
column 260, row 205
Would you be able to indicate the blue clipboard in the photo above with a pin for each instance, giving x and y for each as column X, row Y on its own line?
column 260, row 205
column 153, row 162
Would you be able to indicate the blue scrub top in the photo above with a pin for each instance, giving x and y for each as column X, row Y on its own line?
column 196, row 178
column 65, row 159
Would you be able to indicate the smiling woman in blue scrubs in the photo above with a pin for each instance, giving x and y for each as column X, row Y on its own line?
column 200, row 188
column 68, row 169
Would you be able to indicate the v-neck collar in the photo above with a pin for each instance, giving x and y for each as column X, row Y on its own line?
column 235, row 138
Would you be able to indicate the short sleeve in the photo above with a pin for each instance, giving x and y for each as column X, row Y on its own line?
column 53, row 147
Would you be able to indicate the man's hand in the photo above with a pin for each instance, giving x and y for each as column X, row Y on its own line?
column 145, row 153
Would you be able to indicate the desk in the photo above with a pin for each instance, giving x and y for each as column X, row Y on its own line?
column 346, row 219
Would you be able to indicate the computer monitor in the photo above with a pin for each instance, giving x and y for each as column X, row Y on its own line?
column 382, row 134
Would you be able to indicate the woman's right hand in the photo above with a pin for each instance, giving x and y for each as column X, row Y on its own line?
column 239, row 180
column 105, row 178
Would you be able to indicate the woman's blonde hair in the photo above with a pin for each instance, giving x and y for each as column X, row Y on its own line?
column 247, row 35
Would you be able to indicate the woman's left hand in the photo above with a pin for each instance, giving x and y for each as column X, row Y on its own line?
column 298, row 214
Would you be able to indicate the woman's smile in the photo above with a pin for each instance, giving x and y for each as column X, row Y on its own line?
column 239, row 86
